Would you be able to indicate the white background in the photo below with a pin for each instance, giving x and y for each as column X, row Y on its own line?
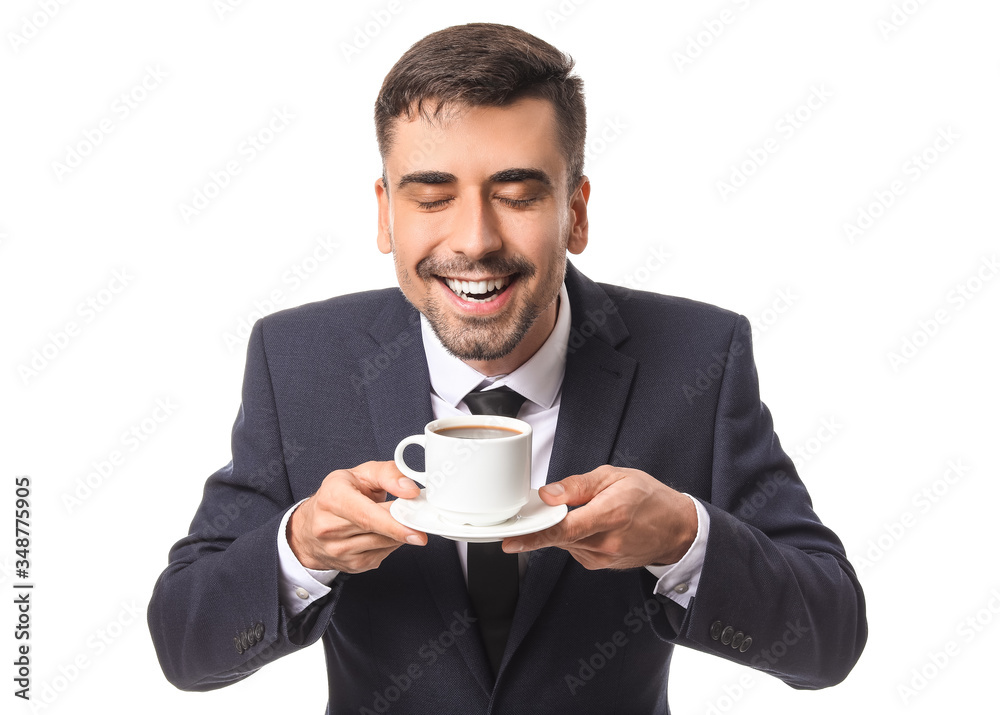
column 672, row 132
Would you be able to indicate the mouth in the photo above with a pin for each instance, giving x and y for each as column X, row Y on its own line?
column 479, row 291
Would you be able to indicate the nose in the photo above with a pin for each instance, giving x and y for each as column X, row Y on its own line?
column 475, row 232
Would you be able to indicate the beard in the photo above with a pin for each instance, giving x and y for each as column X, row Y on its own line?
column 479, row 338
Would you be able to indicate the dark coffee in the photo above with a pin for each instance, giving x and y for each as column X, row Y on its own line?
column 477, row 432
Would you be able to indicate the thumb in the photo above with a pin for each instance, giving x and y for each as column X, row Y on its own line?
column 386, row 477
column 573, row 490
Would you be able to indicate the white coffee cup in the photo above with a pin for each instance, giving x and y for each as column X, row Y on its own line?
column 477, row 478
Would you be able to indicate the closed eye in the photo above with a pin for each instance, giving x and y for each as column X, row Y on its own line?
column 516, row 203
column 432, row 204
column 513, row 203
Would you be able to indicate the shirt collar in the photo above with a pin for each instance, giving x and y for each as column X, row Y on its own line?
column 539, row 379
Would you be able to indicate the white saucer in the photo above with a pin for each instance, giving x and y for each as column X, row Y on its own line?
column 420, row 515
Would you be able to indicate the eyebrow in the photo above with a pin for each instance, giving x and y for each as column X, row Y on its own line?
column 503, row 176
column 514, row 175
column 426, row 177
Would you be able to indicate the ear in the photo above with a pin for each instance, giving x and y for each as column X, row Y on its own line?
column 384, row 224
column 578, row 235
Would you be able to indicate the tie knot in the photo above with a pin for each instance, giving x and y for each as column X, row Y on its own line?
column 501, row 401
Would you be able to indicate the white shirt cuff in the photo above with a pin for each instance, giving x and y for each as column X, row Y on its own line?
column 679, row 582
column 298, row 586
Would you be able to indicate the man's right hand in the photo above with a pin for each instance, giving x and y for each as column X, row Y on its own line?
column 346, row 524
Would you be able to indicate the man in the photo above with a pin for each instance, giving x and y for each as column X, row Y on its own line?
column 688, row 523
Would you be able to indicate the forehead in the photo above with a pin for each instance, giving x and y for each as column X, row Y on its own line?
column 474, row 143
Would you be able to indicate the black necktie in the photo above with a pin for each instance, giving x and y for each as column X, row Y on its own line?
column 493, row 573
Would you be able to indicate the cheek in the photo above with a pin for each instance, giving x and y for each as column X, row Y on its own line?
column 417, row 233
column 540, row 242
column 552, row 221
column 531, row 230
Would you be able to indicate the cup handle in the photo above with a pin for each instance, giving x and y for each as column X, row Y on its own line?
column 401, row 463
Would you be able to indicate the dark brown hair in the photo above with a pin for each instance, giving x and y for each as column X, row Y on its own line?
column 484, row 64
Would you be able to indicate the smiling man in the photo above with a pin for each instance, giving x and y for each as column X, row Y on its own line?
column 482, row 195
column 482, row 244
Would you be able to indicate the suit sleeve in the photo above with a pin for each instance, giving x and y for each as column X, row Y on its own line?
column 777, row 592
column 215, row 615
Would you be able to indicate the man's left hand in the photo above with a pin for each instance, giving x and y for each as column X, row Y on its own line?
column 627, row 520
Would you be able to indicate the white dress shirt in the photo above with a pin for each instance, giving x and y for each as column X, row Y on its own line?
column 540, row 381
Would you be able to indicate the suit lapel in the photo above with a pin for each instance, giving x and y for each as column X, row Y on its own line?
column 594, row 394
column 443, row 576
column 396, row 382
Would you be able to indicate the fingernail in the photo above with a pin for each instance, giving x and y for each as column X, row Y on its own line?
column 514, row 547
column 406, row 483
column 415, row 540
column 554, row 490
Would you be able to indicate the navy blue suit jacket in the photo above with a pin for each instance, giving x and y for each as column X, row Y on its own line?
column 661, row 384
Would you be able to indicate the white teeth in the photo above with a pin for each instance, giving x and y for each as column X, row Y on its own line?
column 466, row 289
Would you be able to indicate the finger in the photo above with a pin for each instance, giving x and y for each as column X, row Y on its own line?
column 361, row 545
column 579, row 488
column 354, row 556
column 341, row 527
column 371, row 517
column 532, row 542
column 574, row 527
column 386, row 477
column 421, row 537
column 606, row 511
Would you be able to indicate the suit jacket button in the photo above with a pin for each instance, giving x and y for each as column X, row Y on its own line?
column 239, row 646
column 727, row 635
column 244, row 640
column 737, row 639
column 745, row 646
column 716, row 630
column 258, row 632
